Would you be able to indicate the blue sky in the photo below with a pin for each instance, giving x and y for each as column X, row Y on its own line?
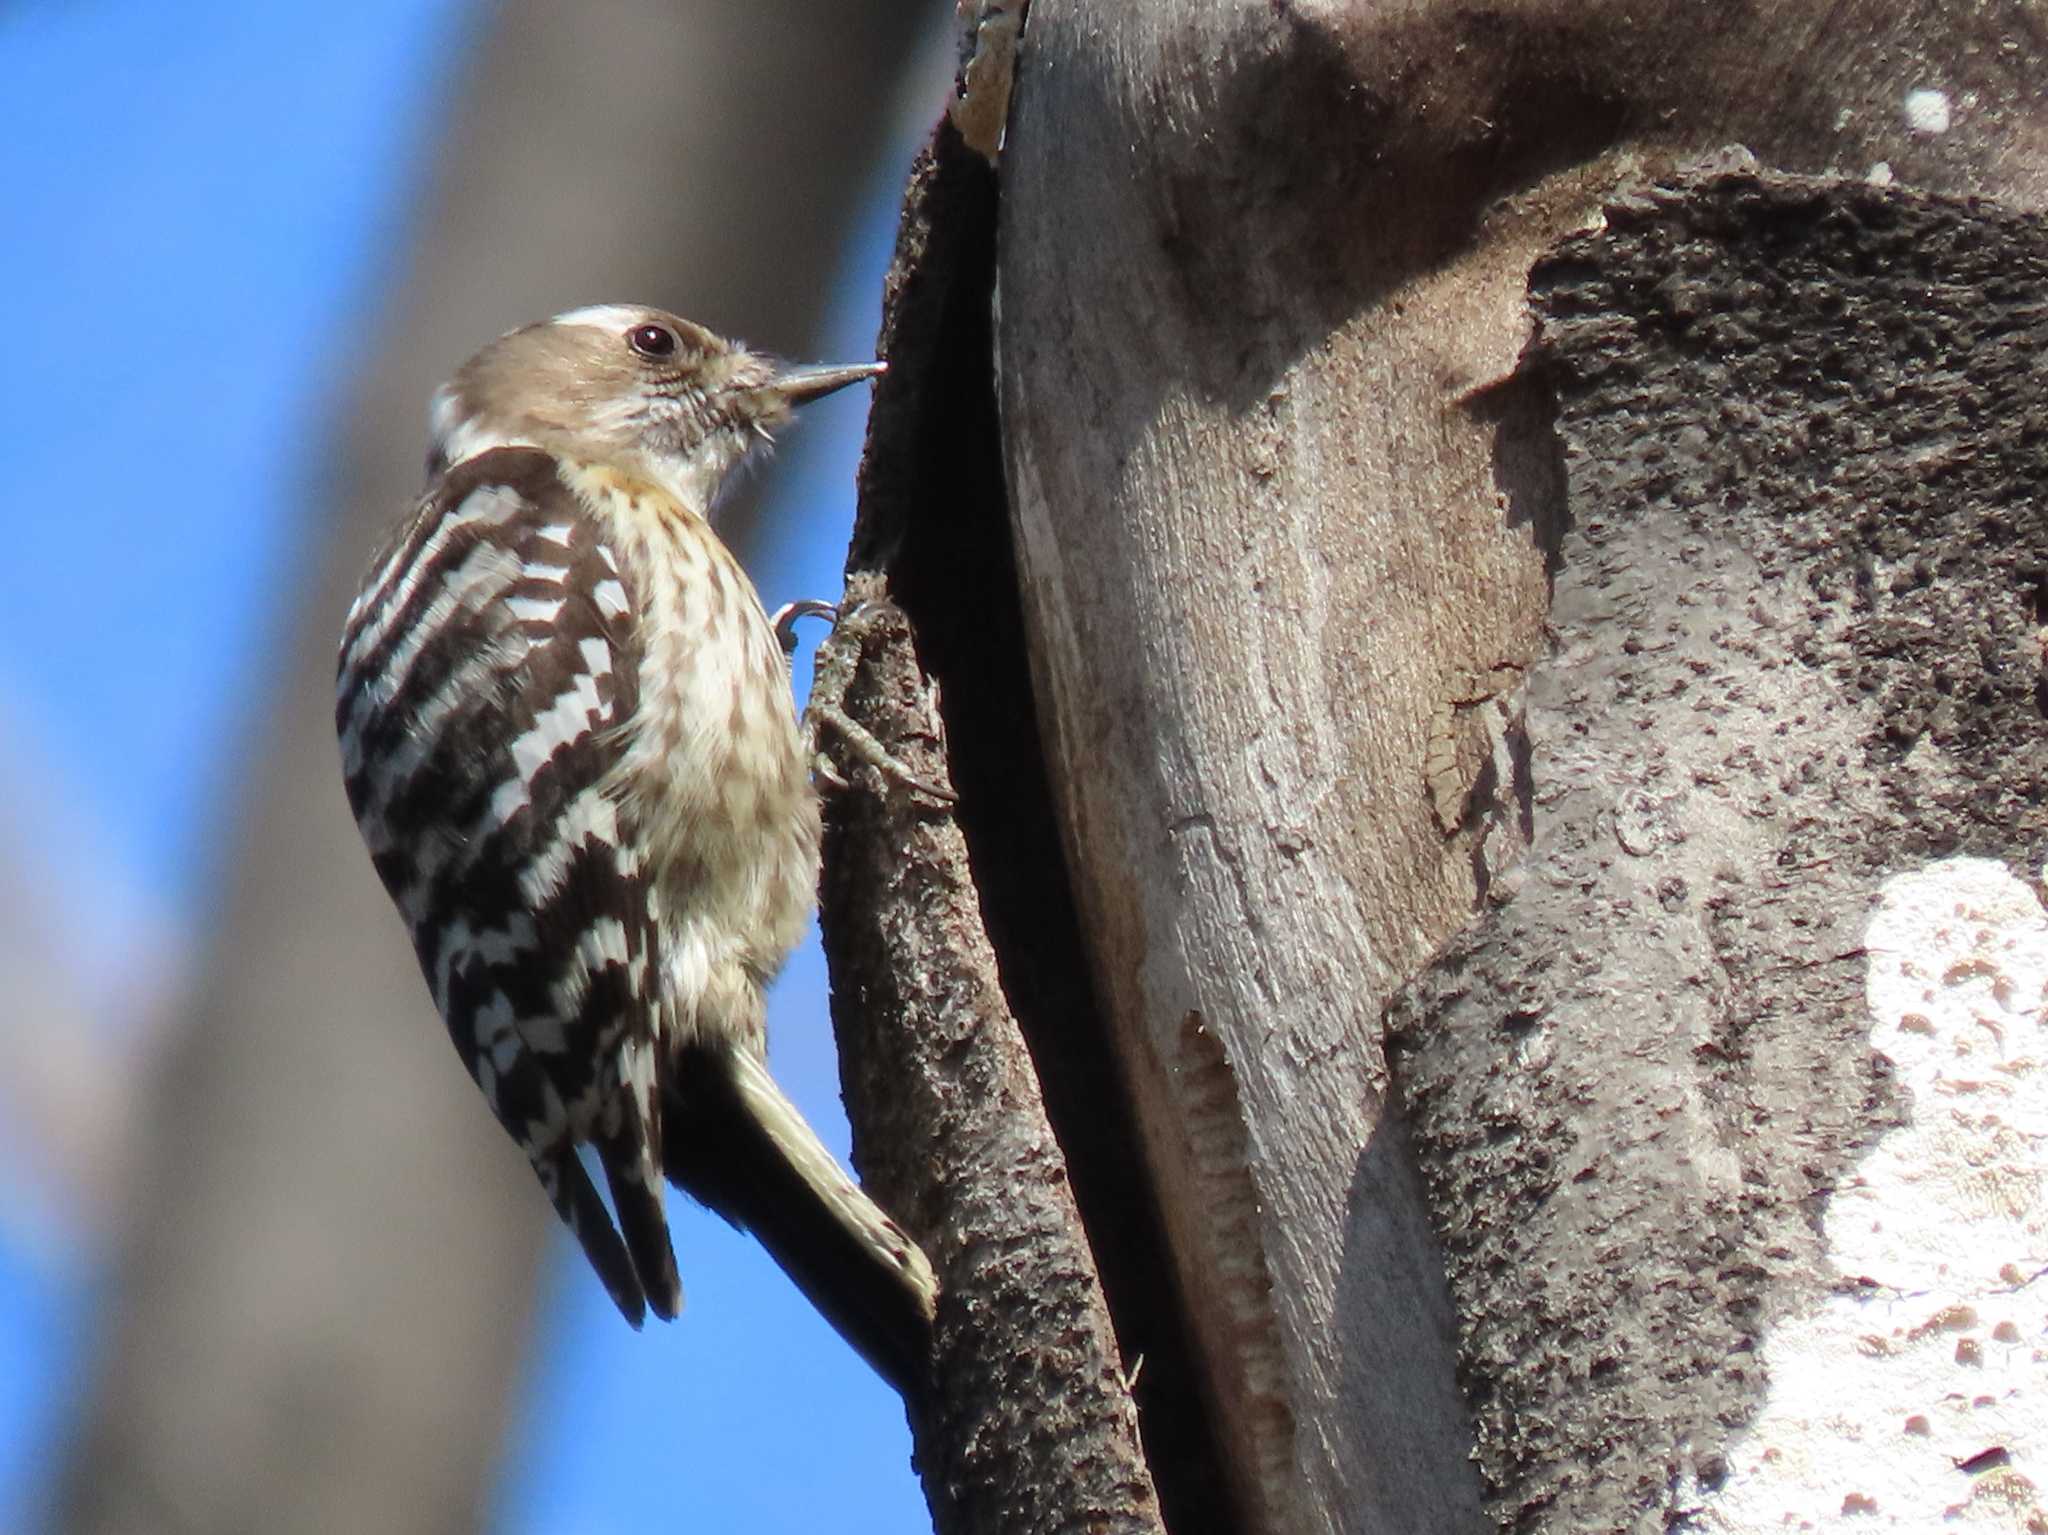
column 191, row 229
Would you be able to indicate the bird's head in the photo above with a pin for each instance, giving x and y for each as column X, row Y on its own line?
column 629, row 387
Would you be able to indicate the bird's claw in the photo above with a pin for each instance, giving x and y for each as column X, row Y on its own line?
column 784, row 618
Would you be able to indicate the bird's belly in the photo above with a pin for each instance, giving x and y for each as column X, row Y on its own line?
column 734, row 836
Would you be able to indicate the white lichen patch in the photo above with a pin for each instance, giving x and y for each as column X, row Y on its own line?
column 1928, row 111
column 1918, row 1398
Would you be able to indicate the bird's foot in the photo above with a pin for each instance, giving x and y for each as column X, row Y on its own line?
column 818, row 713
column 861, row 742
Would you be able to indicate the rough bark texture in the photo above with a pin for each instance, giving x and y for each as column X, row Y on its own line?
column 1796, row 636
column 1029, row 1425
column 1285, row 516
column 322, row 1310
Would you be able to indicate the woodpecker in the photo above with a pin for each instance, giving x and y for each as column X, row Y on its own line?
column 568, row 740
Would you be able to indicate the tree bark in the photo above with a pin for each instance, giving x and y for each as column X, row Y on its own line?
column 1795, row 656
column 1289, row 513
column 323, row 1306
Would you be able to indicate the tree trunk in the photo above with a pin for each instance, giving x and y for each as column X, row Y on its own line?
column 1571, row 699
column 1795, row 668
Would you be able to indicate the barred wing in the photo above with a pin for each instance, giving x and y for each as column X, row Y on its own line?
column 489, row 671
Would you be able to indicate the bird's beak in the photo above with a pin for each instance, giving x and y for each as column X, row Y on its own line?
column 800, row 386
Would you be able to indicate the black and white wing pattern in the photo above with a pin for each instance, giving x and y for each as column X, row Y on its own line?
column 488, row 671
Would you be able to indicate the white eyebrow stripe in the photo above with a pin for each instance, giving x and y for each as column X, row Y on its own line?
column 607, row 316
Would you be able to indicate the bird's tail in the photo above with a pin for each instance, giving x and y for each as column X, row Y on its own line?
column 731, row 1139
column 628, row 1151
column 575, row 1199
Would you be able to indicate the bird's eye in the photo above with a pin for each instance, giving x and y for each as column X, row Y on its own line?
column 652, row 340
